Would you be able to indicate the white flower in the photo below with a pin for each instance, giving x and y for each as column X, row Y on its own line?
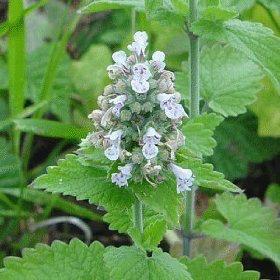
column 150, row 151
column 141, row 37
column 140, row 86
column 158, row 61
column 184, row 178
column 151, row 136
column 118, row 102
column 140, row 43
column 158, row 56
column 121, row 178
column 119, row 58
column 114, row 141
column 141, row 71
column 150, row 139
column 168, row 103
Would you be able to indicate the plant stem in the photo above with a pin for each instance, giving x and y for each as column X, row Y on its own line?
column 138, row 215
column 16, row 63
column 133, row 21
column 194, row 111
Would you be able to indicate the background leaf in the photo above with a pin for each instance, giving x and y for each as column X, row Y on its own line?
column 49, row 128
column 59, row 260
column 9, row 166
column 248, row 223
column 253, row 39
column 200, row 270
column 238, row 145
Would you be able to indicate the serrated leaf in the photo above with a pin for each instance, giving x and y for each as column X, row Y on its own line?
column 104, row 5
column 253, row 39
column 155, row 226
column 248, row 223
column 230, row 81
column 60, row 261
column 238, row 145
column 70, row 177
column 9, row 166
column 128, row 263
column 201, row 270
column 162, row 199
column 205, row 176
column 50, row 128
column 199, row 133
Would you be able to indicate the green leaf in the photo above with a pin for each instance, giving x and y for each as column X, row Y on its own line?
column 166, row 12
column 60, row 92
column 70, row 177
column 9, row 166
column 216, row 13
column 253, row 39
column 128, row 263
column 121, row 219
column 273, row 193
column 162, row 199
column 199, row 132
column 104, row 5
column 89, row 74
column 57, row 202
column 229, row 80
column 273, row 5
column 4, row 81
column 239, row 5
column 205, row 176
column 49, row 128
column 267, row 110
column 201, row 270
column 60, row 261
column 238, row 145
column 248, row 223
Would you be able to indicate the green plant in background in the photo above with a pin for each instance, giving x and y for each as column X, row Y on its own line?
column 228, row 60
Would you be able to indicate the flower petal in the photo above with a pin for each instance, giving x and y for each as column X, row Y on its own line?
column 150, row 151
column 140, row 86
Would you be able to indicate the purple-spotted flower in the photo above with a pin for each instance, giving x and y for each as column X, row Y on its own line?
column 140, row 43
column 119, row 58
column 150, row 140
column 118, row 102
column 184, row 178
column 120, row 178
column 114, row 143
column 141, row 71
column 158, row 61
column 140, row 86
column 169, row 103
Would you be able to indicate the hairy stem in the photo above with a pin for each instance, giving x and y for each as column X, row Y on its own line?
column 138, row 215
column 194, row 111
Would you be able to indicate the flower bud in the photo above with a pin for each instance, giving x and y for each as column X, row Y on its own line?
column 108, row 90
column 147, row 107
column 136, row 107
column 125, row 115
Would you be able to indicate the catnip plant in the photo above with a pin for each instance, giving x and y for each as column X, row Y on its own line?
column 145, row 158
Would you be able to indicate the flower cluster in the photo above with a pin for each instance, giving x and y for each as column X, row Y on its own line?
column 138, row 122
